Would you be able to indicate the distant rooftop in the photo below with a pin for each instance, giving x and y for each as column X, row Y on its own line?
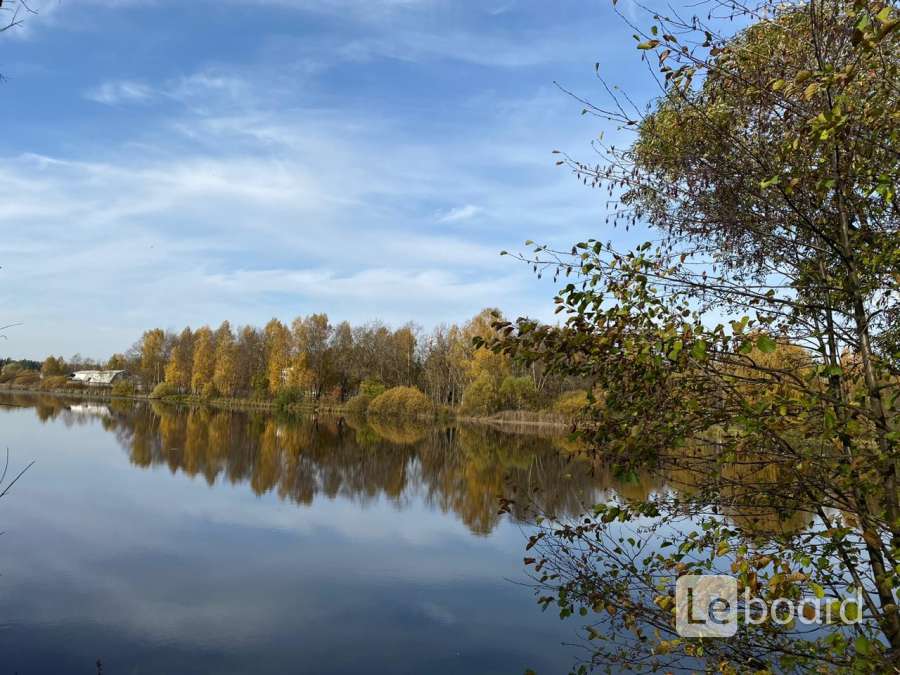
column 98, row 376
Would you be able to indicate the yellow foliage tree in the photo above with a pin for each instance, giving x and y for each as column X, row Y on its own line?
column 175, row 373
column 225, row 371
column 153, row 358
column 482, row 362
column 278, row 354
column 299, row 374
column 116, row 362
column 53, row 366
column 204, row 360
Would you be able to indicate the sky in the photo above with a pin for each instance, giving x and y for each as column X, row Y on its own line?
column 168, row 164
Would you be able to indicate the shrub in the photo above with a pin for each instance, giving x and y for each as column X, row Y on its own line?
column 123, row 388
column 371, row 388
column 359, row 404
column 288, row 398
column 9, row 372
column 163, row 389
column 401, row 401
column 570, row 403
column 481, row 396
column 28, row 378
column 209, row 391
column 259, row 386
column 54, row 382
column 518, row 393
column 53, row 366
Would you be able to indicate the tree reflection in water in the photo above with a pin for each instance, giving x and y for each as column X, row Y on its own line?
column 463, row 470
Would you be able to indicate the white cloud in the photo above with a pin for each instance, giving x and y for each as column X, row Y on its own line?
column 119, row 92
column 460, row 213
column 495, row 49
column 200, row 91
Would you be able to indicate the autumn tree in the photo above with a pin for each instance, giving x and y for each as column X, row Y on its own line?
column 767, row 171
column 250, row 357
column 53, row 365
column 278, row 354
column 225, row 372
column 485, row 369
column 181, row 359
column 204, row 361
column 153, row 355
column 443, row 371
column 312, row 337
column 117, row 362
column 371, row 343
column 343, row 358
column 403, row 361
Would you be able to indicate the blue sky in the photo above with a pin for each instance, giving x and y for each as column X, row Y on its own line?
column 170, row 163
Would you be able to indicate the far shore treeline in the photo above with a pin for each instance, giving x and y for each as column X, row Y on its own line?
column 400, row 371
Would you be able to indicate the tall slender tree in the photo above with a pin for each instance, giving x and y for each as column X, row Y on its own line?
column 204, row 362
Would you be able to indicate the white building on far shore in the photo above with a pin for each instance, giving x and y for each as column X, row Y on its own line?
column 99, row 378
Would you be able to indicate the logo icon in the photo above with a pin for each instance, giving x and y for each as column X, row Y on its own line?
column 706, row 605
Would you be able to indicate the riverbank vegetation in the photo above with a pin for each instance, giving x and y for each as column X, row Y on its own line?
column 314, row 364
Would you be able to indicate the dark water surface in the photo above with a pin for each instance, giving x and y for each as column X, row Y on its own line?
column 167, row 540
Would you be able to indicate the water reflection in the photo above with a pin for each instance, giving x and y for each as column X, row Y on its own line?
column 460, row 470
column 463, row 470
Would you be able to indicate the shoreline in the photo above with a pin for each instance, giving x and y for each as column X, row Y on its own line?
column 502, row 418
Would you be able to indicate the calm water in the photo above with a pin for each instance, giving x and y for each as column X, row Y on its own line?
column 163, row 540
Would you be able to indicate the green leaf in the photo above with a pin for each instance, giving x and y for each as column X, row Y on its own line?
column 765, row 344
column 698, row 351
column 649, row 44
column 676, row 350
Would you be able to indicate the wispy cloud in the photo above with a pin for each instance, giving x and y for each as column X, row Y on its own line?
column 460, row 213
column 497, row 48
column 201, row 90
column 119, row 92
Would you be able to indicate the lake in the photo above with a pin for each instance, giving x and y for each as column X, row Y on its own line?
column 162, row 539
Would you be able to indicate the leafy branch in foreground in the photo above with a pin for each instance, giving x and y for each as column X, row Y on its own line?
column 750, row 353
